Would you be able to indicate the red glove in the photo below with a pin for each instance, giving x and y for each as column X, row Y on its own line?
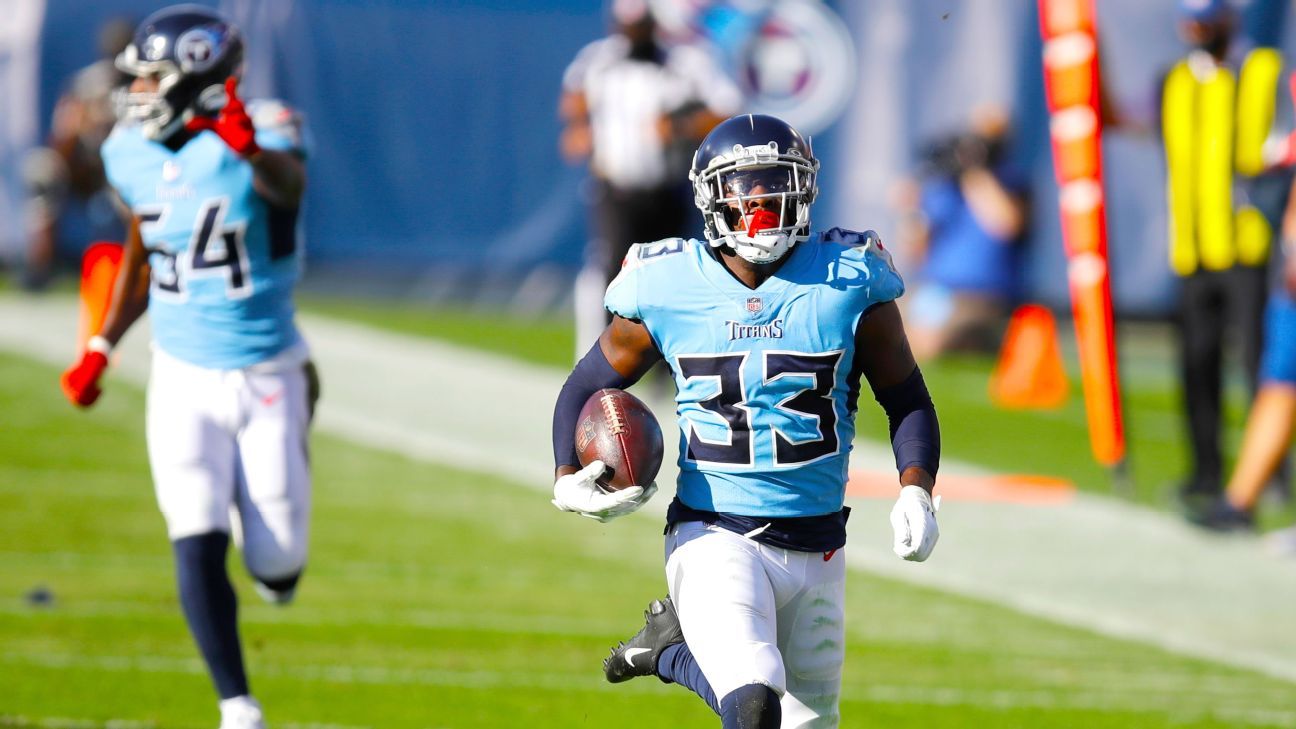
column 81, row 380
column 232, row 124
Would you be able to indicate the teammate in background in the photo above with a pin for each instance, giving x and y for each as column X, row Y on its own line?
column 766, row 328
column 632, row 107
column 213, row 189
column 66, row 175
column 963, row 226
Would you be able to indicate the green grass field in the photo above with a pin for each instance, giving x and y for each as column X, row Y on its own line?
column 441, row 598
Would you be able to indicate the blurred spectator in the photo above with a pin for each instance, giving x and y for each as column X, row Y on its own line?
column 961, row 226
column 636, row 109
column 68, row 173
column 1273, row 413
column 1217, row 107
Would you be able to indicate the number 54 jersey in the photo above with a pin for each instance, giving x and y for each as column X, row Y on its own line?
column 224, row 261
column 766, row 378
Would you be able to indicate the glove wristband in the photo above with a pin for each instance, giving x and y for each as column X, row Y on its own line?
column 99, row 344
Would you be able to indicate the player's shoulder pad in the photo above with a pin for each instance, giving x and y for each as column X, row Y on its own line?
column 123, row 135
column 623, row 294
column 122, row 145
column 643, row 254
column 278, row 126
column 861, row 257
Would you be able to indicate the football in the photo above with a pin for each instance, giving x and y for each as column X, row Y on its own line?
column 618, row 428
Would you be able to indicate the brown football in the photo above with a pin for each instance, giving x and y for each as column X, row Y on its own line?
column 618, row 428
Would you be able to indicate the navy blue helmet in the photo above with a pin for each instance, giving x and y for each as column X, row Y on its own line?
column 191, row 50
column 754, row 180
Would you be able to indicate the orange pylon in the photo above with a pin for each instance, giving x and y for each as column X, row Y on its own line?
column 1029, row 373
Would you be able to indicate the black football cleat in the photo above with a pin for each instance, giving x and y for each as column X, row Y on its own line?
column 638, row 656
column 1221, row 516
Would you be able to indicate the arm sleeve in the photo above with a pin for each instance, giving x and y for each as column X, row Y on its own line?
column 915, row 432
column 591, row 374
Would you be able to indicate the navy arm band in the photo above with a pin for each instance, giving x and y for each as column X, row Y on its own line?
column 915, row 433
column 591, row 374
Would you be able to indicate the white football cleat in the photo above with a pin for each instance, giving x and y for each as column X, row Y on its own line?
column 241, row 712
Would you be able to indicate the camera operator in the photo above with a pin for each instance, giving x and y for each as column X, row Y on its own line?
column 961, row 226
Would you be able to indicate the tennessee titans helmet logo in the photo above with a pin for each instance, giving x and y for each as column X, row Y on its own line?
column 196, row 50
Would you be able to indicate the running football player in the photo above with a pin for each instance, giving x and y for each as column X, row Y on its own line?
column 767, row 328
column 213, row 189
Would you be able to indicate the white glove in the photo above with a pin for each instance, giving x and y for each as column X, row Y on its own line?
column 580, row 493
column 914, row 519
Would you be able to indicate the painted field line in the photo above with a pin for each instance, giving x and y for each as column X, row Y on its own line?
column 1131, row 699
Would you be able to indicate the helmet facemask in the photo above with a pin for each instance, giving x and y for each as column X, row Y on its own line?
column 756, row 200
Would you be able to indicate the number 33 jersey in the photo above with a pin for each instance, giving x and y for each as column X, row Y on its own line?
column 224, row 261
column 765, row 377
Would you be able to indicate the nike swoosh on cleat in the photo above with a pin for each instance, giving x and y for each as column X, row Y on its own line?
column 632, row 652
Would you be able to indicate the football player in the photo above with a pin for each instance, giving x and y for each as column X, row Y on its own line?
column 213, row 189
column 767, row 328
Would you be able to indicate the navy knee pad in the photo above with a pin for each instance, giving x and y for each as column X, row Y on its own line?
column 754, row 706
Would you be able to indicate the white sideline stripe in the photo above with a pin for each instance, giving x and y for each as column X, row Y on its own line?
column 1098, row 564
column 1115, row 699
column 56, row 722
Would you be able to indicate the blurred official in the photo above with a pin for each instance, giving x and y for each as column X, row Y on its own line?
column 636, row 109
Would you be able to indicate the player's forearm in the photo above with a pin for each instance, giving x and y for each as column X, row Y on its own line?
column 915, row 430
column 130, row 290
column 590, row 375
column 279, row 177
column 918, row 476
column 130, row 301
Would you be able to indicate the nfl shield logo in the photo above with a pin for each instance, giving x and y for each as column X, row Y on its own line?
column 754, row 305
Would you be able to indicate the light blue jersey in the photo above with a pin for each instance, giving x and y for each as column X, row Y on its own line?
column 766, row 392
column 224, row 261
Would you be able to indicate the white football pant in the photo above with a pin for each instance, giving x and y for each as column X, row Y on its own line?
column 752, row 613
column 229, row 448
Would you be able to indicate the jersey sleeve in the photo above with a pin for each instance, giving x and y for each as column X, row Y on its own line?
column 278, row 126
column 622, row 297
column 112, row 152
column 865, row 265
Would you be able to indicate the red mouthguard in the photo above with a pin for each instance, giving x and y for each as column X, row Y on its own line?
column 761, row 220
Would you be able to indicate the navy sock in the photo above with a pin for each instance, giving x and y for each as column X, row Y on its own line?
column 677, row 665
column 754, row 706
column 211, row 609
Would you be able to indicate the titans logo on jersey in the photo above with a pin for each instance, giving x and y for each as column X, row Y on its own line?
column 223, row 260
column 765, row 377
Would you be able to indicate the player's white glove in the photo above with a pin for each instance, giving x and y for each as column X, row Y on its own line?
column 578, row 492
column 914, row 519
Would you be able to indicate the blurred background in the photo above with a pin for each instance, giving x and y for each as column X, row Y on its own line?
column 437, row 170
column 452, row 223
